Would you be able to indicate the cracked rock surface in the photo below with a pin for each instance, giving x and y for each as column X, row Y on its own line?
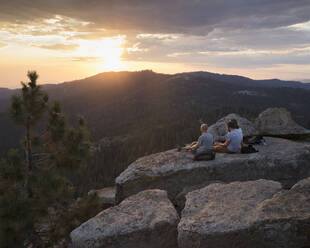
column 246, row 214
column 147, row 219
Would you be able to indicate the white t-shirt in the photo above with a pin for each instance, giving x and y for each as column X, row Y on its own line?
column 235, row 138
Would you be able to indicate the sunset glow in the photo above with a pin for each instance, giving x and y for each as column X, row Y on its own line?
column 107, row 52
column 66, row 42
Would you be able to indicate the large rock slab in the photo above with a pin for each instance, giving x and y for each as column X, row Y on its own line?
column 250, row 214
column 147, row 219
column 280, row 160
column 180, row 199
column 279, row 122
column 219, row 129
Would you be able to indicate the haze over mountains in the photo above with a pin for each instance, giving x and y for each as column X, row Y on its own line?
column 240, row 80
column 138, row 113
column 305, row 80
column 302, row 83
column 6, row 93
column 113, row 100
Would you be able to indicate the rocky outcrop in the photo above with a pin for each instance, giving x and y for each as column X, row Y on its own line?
column 280, row 160
column 246, row 214
column 279, row 122
column 106, row 196
column 219, row 129
column 221, row 203
column 147, row 219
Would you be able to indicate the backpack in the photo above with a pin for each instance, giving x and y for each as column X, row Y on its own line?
column 248, row 149
column 255, row 140
column 208, row 155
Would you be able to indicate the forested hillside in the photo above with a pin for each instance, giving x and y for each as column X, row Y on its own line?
column 130, row 114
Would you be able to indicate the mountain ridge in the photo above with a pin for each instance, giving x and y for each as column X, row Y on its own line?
column 228, row 78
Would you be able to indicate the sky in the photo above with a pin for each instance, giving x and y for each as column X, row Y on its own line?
column 64, row 40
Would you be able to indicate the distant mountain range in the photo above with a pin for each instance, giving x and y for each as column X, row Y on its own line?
column 108, row 94
column 235, row 79
column 305, row 80
column 6, row 93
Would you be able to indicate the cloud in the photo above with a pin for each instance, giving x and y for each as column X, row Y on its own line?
column 228, row 33
column 86, row 59
column 225, row 46
column 62, row 47
column 58, row 25
column 228, row 49
column 246, row 59
column 161, row 16
column 242, row 21
column 2, row 45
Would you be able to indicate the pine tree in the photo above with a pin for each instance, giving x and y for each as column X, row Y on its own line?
column 16, row 210
column 64, row 146
column 31, row 186
column 27, row 110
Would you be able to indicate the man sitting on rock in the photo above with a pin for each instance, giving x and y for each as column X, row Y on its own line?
column 203, row 148
column 233, row 141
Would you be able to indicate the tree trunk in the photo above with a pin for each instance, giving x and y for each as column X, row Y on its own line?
column 28, row 160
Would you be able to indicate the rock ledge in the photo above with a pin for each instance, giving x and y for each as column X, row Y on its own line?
column 137, row 222
column 246, row 214
column 280, row 160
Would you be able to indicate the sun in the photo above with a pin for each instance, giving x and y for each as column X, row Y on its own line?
column 107, row 52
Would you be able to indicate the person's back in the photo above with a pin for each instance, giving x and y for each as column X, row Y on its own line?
column 205, row 143
column 235, row 138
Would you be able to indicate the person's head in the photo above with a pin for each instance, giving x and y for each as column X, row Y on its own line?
column 236, row 123
column 232, row 124
column 204, row 128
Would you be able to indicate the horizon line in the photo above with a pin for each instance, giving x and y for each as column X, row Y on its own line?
column 306, row 81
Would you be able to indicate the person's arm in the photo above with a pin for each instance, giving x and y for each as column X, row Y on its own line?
column 227, row 141
column 191, row 146
column 197, row 144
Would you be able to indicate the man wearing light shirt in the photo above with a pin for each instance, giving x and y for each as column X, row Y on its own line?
column 204, row 143
column 234, row 138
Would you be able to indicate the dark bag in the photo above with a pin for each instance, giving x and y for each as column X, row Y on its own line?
column 254, row 140
column 248, row 149
column 205, row 156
